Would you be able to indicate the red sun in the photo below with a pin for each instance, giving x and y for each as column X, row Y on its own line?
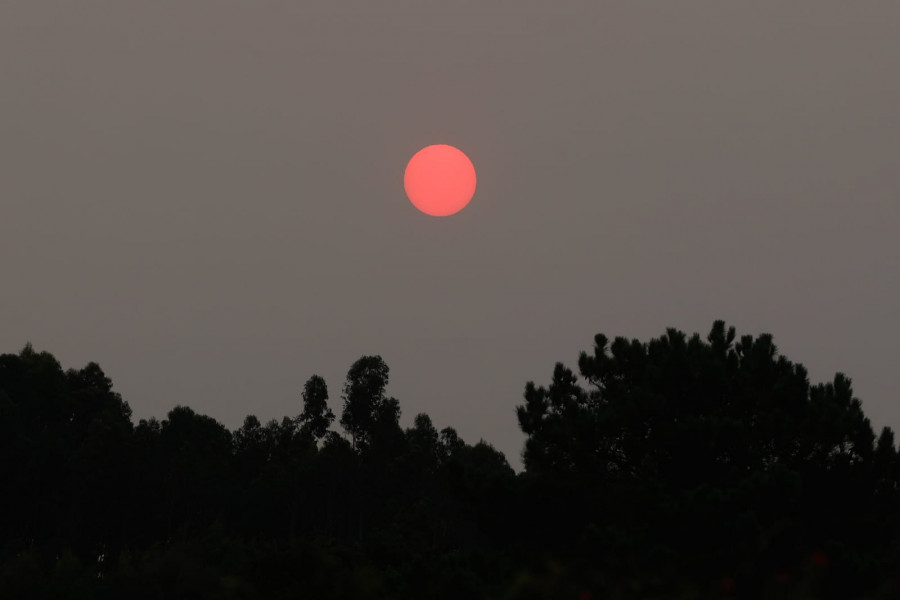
column 439, row 180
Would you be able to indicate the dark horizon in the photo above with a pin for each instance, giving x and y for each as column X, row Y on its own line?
column 685, row 466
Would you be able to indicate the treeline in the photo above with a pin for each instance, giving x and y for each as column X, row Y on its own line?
column 679, row 467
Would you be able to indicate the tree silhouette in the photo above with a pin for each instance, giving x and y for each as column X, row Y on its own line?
column 690, row 411
column 368, row 413
column 424, row 444
column 316, row 416
column 687, row 430
column 679, row 466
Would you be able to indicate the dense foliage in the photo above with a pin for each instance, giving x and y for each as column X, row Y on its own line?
column 680, row 467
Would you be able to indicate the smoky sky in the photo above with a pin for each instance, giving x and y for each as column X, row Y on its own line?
column 206, row 197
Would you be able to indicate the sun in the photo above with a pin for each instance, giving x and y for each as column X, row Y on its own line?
column 439, row 180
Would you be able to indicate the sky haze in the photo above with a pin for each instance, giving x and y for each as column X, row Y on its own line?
column 206, row 198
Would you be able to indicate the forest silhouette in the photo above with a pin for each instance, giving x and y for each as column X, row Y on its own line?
column 681, row 467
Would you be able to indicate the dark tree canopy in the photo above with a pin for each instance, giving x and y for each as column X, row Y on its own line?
column 316, row 416
column 368, row 414
column 689, row 410
column 680, row 430
column 678, row 467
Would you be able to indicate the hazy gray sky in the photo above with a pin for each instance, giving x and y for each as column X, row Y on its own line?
column 206, row 197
